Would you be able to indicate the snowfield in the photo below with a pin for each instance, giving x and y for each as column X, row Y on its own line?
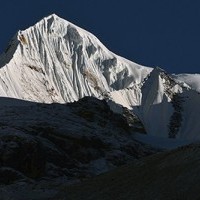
column 193, row 80
column 56, row 61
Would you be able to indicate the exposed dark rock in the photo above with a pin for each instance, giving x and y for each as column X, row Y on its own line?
column 91, row 50
column 22, row 153
column 133, row 121
column 9, row 175
column 176, row 118
column 66, row 140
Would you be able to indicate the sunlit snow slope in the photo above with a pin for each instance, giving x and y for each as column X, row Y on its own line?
column 193, row 80
column 169, row 108
column 56, row 61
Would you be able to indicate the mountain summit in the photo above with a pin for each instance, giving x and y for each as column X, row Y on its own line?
column 56, row 61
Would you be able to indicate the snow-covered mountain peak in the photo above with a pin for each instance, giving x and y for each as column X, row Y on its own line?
column 56, row 61
column 55, row 26
column 53, row 15
column 158, row 70
column 164, row 83
column 162, row 104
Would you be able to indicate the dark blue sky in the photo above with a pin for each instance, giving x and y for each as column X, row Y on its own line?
column 164, row 33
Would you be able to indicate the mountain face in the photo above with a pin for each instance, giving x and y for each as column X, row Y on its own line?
column 77, row 140
column 43, row 146
column 193, row 80
column 56, row 61
column 166, row 176
column 169, row 108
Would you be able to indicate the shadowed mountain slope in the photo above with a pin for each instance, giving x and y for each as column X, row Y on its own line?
column 172, row 175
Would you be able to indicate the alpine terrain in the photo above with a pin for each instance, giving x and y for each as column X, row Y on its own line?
column 71, row 109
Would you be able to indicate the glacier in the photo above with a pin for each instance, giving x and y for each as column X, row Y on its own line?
column 56, row 61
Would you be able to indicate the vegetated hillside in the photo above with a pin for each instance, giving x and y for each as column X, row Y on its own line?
column 172, row 175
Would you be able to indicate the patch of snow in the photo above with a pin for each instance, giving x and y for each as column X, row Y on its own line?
column 193, row 80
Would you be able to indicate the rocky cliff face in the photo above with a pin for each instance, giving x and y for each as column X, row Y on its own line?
column 75, row 141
